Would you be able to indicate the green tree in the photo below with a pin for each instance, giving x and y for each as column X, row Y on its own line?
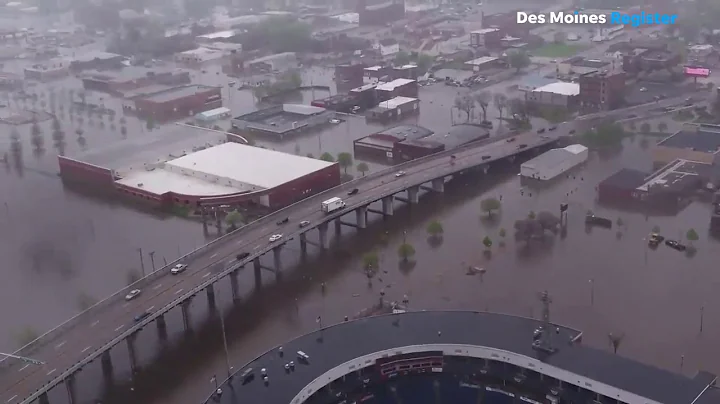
column 531, row 215
column 363, row 168
column 615, row 341
column 424, row 62
column 233, row 218
column 483, row 99
column 487, row 242
column 435, row 228
column 345, row 160
column 402, row 58
column 606, row 134
column 519, row 60
column 662, row 127
column 502, row 233
column 645, row 127
column 692, row 236
column 327, row 157
column 490, row 205
column 371, row 261
column 26, row 336
column 405, row 251
column 464, row 103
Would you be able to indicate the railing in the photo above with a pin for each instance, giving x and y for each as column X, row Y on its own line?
column 93, row 311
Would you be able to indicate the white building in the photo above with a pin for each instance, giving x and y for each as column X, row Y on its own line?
column 560, row 94
column 388, row 47
column 199, row 56
column 215, row 36
column 481, row 63
column 213, row 115
column 554, row 162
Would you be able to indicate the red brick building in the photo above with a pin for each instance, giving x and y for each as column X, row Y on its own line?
column 178, row 102
column 130, row 78
column 602, row 90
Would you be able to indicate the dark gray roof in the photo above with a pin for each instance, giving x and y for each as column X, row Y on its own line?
column 626, row 178
column 346, row 341
column 706, row 138
column 406, row 132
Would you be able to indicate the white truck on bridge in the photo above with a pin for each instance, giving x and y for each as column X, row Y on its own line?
column 332, row 204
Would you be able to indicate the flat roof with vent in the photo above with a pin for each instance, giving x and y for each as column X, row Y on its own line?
column 699, row 137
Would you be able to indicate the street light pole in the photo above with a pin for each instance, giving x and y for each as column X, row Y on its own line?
column 592, row 292
column 224, row 337
column 152, row 259
column 142, row 261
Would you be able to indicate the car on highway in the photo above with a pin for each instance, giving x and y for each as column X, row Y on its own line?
column 283, row 221
column 242, row 256
column 353, row 191
column 133, row 294
column 675, row 245
column 552, row 128
column 486, row 157
column 400, row 173
column 275, row 237
column 178, row 268
column 512, row 139
column 522, row 146
column 541, row 130
column 142, row 316
column 304, row 223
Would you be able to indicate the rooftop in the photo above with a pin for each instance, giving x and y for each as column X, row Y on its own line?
column 395, row 102
column 458, row 135
column 680, row 175
column 128, row 73
column 224, row 169
column 703, row 137
column 392, row 85
column 90, row 56
column 554, row 157
column 218, row 35
column 510, row 335
column 481, row 60
column 485, row 31
column 560, row 87
column 175, row 93
column 626, row 178
column 406, row 132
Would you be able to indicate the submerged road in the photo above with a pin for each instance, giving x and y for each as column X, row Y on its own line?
column 88, row 335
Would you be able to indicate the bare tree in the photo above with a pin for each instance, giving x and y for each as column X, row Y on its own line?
column 483, row 99
column 500, row 100
column 464, row 103
column 615, row 341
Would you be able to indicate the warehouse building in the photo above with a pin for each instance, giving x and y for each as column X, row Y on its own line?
column 345, row 103
column 51, row 70
column 199, row 56
column 282, row 120
column 97, row 61
column 483, row 63
column 393, row 109
column 397, row 88
column 381, row 145
column 196, row 167
column 177, row 102
column 554, row 162
column 208, row 117
column 117, row 82
column 560, row 94
column 365, row 95
column 456, row 136
column 694, row 142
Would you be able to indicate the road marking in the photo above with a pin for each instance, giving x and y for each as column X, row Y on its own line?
column 51, row 372
column 23, row 368
column 119, row 328
column 206, row 275
column 96, row 322
column 87, row 348
column 150, row 308
column 11, row 398
column 177, row 292
column 213, row 256
column 58, row 346
column 156, row 287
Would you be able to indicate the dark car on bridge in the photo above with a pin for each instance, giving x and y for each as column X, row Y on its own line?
column 522, row 146
column 541, row 130
column 283, row 221
column 242, row 256
column 353, row 191
column 142, row 316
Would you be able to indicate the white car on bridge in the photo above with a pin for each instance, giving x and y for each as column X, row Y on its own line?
column 133, row 294
column 178, row 268
column 275, row 237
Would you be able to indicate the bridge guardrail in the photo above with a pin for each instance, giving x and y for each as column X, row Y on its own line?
column 51, row 335
column 95, row 353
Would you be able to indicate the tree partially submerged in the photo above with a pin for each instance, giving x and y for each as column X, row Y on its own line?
column 490, row 205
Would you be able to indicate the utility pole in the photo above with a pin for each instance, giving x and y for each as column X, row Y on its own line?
column 225, row 344
column 702, row 316
column 592, row 292
column 142, row 261
column 152, row 259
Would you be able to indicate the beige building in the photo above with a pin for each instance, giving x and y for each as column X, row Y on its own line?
column 694, row 142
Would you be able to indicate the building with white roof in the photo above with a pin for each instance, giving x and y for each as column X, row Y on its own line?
column 554, row 162
column 560, row 94
column 482, row 63
column 215, row 36
column 232, row 173
column 199, row 56
column 397, row 88
column 394, row 108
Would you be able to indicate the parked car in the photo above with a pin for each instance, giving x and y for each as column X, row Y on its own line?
column 655, row 239
column 283, row 221
column 400, row 173
column 142, row 316
column 541, row 130
column 598, row 221
column 512, row 139
column 486, row 157
column 275, row 237
column 552, row 128
column 242, row 256
column 178, row 268
column 353, row 191
column 522, row 146
column 133, row 294
column 675, row 245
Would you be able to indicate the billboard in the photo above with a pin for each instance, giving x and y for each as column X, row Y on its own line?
column 697, row 71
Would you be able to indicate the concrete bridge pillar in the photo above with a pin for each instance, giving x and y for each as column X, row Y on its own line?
column 413, row 194
column 257, row 269
column 70, row 387
column 161, row 328
column 324, row 240
column 338, row 226
column 438, row 185
column 185, row 307
column 131, row 351
column 303, row 243
column 43, row 399
column 107, row 367
column 212, row 304
column 388, row 206
column 234, row 286
column 277, row 259
column 361, row 216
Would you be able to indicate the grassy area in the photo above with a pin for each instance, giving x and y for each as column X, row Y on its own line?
column 558, row 50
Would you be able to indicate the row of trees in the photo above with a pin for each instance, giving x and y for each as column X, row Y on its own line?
column 344, row 159
column 467, row 103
